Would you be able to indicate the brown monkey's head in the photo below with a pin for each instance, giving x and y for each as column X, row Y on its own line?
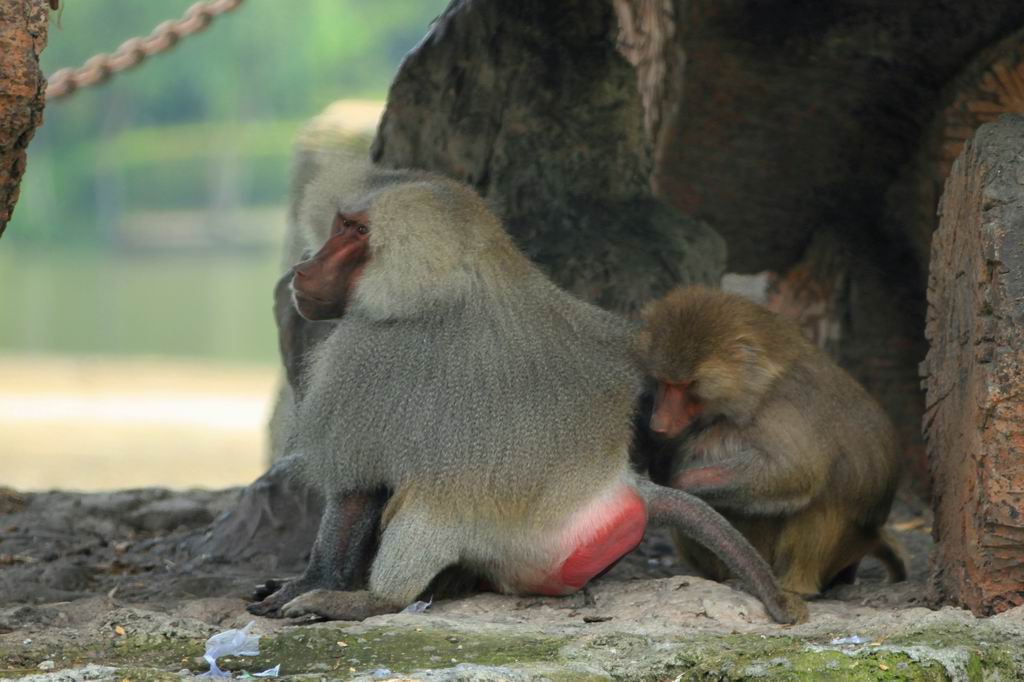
column 712, row 354
column 399, row 242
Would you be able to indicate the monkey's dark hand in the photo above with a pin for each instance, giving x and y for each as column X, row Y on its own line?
column 274, row 594
column 333, row 605
column 794, row 605
column 790, row 603
column 265, row 589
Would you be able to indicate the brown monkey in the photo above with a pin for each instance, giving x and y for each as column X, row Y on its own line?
column 774, row 435
column 494, row 406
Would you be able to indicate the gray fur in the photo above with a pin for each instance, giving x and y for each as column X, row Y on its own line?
column 388, row 403
column 457, row 363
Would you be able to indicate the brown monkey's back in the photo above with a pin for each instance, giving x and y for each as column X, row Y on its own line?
column 852, row 432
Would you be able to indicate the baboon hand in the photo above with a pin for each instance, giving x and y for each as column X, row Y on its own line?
column 276, row 594
column 793, row 609
column 265, row 589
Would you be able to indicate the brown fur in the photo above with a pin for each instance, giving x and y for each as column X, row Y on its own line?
column 812, row 459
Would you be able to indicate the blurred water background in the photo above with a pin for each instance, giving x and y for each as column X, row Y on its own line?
column 136, row 341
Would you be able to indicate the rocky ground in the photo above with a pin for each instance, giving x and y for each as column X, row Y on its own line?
column 99, row 587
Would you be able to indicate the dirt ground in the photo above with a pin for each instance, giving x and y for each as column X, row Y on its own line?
column 108, row 585
column 139, row 545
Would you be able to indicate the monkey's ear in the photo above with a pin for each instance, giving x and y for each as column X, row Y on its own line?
column 746, row 348
column 749, row 351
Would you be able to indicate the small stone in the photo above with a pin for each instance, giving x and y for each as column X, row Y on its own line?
column 169, row 514
column 67, row 576
column 47, row 665
column 596, row 619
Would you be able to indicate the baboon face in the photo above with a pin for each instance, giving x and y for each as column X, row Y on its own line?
column 675, row 407
column 323, row 284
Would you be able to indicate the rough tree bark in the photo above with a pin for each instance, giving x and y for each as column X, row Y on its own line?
column 23, row 26
column 974, row 374
column 799, row 138
column 649, row 39
column 532, row 103
column 800, row 113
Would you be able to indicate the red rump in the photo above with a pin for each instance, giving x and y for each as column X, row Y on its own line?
column 617, row 536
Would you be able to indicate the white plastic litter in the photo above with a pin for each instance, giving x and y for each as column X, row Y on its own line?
column 234, row 643
column 270, row 672
column 852, row 639
column 418, row 606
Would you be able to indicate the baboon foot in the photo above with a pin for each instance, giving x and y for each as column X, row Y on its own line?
column 335, row 605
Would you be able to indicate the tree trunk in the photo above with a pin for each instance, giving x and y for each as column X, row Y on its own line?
column 532, row 103
column 974, row 374
column 649, row 39
column 23, row 26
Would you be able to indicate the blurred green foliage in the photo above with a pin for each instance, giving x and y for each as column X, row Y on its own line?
column 162, row 134
column 153, row 206
column 91, row 302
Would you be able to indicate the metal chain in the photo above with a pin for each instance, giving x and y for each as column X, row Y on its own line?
column 100, row 67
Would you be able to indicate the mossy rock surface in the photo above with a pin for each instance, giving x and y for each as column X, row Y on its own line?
column 432, row 648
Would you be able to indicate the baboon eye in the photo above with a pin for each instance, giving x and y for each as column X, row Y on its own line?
column 362, row 229
column 346, row 222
